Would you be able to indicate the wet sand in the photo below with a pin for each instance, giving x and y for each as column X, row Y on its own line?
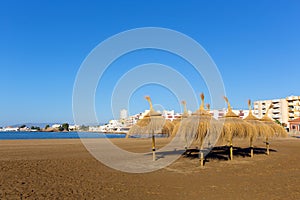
column 64, row 169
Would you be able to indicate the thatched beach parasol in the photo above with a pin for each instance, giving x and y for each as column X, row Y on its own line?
column 195, row 128
column 184, row 115
column 208, row 107
column 262, row 129
column 277, row 130
column 152, row 123
column 234, row 126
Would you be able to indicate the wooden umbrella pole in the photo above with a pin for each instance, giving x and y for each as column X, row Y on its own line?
column 251, row 147
column 231, row 150
column 201, row 157
column 267, row 146
column 153, row 147
column 186, row 145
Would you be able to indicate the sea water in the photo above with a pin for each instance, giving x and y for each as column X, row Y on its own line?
column 19, row 135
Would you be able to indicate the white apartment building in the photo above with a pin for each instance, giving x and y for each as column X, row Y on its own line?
column 9, row 128
column 123, row 114
column 293, row 103
column 278, row 112
column 141, row 115
column 284, row 110
column 56, row 126
column 74, row 127
column 170, row 115
column 221, row 113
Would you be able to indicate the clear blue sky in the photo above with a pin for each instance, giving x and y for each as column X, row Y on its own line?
column 255, row 44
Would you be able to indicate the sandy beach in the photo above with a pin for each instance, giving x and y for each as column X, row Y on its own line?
column 64, row 169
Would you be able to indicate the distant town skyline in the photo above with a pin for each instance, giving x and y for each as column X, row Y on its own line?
column 255, row 45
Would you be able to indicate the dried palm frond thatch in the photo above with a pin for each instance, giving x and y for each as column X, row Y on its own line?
column 262, row 129
column 234, row 126
column 184, row 115
column 152, row 123
column 277, row 130
column 195, row 128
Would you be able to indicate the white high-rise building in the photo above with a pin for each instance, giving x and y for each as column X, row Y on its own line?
column 123, row 114
column 284, row 109
column 293, row 103
column 278, row 112
column 217, row 114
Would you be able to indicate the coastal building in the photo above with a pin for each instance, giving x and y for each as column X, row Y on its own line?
column 73, row 127
column 111, row 126
column 97, row 129
column 131, row 120
column 295, row 125
column 141, row 115
column 221, row 113
column 123, row 114
column 9, row 128
column 170, row 115
column 260, row 107
column 55, row 126
column 284, row 110
column 278, row 112
column 293, row 103
column 167, row 114
column 25, row 129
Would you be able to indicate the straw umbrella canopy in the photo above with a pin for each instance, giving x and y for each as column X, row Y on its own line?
column 208, row 107
column 184, row 115
column 153, row 123
column 195, row 128
column 277, row 130
column 234, row 126
column 262, row 129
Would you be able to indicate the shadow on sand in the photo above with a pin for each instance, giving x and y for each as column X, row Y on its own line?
column 222, row 153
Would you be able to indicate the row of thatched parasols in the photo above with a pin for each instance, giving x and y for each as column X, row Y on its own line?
column 201, row 127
